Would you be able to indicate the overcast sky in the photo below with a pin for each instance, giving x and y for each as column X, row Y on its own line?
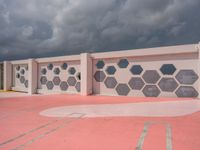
column 38, row 28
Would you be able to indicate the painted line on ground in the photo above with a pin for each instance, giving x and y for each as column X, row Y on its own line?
column 144, row 133
column 76, row 116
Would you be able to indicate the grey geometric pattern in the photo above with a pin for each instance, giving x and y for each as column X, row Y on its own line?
column 168, row 84
column 99, row 76
column 18, row 68
column 78, row 76
column 22, row 79
column 123, row 63
column 50, row 66
column 78, row 86
column 22, row 71
column 72, row 70
column 64, row 86
column 168, row 69
column 49, row 85
column 110, row 70
column 71, row 81
column 100, row 64
column 151, row 91
column 56, row 71
column 56, row 80
column 44, row 71
column 187, row 77
column 186, row 91
column 110, row 82
column 17, row 75
column 136, row 69
column 122, row 89
column 43, row 80
column 151, row 76
column 136, row 83
column 64, row 66
column 26, row 83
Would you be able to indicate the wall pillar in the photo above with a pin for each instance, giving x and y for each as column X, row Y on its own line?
column 86, row 74
column 7, row 75
column 1, row 78
column 198, row 48
column 32, row 76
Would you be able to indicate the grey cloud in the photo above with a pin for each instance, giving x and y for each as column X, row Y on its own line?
column 38, row 28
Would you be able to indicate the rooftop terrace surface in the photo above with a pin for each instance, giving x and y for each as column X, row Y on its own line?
column 31, row 122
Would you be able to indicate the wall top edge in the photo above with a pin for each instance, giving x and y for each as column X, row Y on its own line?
column 19, row 62
column 180, row 49
column 59, row 58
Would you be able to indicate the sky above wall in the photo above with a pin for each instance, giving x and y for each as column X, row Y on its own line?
column 39, row 28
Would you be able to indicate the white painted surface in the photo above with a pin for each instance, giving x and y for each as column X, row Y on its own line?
column 144, row 109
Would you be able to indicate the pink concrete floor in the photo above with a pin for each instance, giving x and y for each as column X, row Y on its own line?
column 22, row 127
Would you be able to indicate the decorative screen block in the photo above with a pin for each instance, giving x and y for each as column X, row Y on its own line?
column 110, row 82
column 123, row 63
column 100, row 64
column 187, row 77
column 186, row 91
column 151, row 91
column 136, row 83
column 111, row 70
column 151, row 76
column 136, row 69
column 168, row 69
column 168, row 84
column 122, row 89
column 99, row 76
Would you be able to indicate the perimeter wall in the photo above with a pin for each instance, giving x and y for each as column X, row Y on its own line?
column 155, row 72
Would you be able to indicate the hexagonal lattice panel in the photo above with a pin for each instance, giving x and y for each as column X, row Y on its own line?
column 17, row 68
column 17, row 75
column 122, row 89
column 50, row 66
column 168, row 69
column 187, row 77
column 78, row 86
column 136, row 70
column 22, row 71
column 44, row 71
column 22, row 79
column 49, row 85
column 151, row 76
column 186, row 91
column 110, row 82
column 72, row 70
column 26, row 83
column 99, row 76
column 43, row 80
column 56, row 80
column 136, row 83
column 110, row 70
column 123, row 63
column 78, row 76
column 64, row 86
column 168, row 84
column 100, row 64
column 56, row 71
column 151, row 91
column 64, row 66
column 71, row 81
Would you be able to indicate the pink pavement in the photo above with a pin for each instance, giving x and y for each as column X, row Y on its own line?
column 22, row 127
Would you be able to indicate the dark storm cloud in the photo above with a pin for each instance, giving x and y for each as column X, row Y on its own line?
column 37, row 28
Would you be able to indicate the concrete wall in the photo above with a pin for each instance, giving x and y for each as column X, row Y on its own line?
column 1, row 76
column 155, row 72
